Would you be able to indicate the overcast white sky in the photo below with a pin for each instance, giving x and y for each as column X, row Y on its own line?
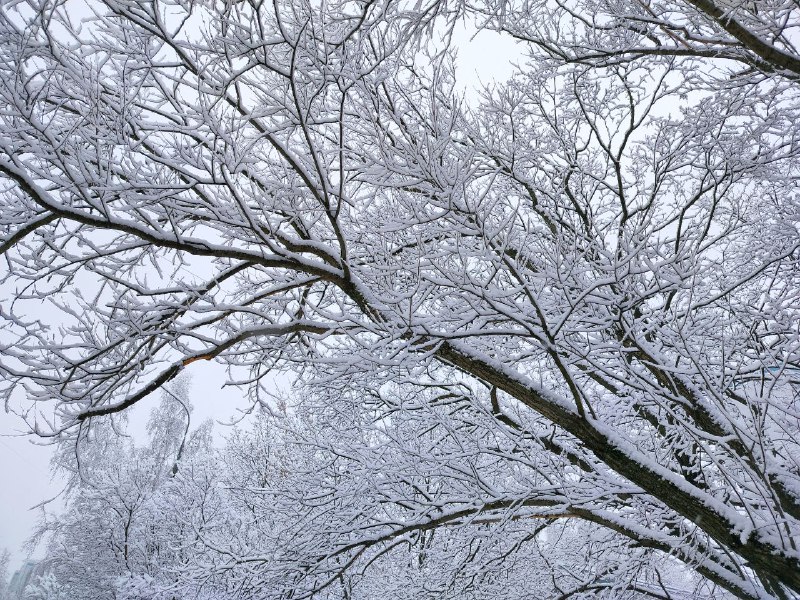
column 25, row 476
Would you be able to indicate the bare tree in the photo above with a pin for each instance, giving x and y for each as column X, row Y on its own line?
column 601, row 259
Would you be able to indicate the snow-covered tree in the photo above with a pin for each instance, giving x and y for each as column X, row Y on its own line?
column 580, row 295
column 5, row 561
column 112, row 526
column 47, row 587
column 252, row 521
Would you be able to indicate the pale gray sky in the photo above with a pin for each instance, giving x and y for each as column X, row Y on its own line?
column 26, row 480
